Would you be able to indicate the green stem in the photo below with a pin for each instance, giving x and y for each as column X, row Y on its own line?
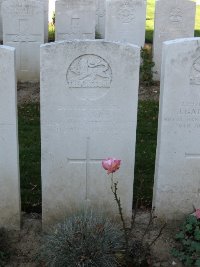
column 117, row 199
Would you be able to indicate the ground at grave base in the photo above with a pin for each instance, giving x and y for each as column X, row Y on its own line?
column 25, row 244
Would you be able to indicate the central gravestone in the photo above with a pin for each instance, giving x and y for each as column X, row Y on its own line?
column 89, row 92
column 75, row 19
column 23, row 29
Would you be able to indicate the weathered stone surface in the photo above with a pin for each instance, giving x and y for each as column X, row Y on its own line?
column 173, row 19
column 89, row 92
column 46, row 27
column 23, row 28
column 75, row 19
column 177, row 183
column 125, row 21
column 100, row 18
column 46, row 19
column 1, row 25
column 9, row 163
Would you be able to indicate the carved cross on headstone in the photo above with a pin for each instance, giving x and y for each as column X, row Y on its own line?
column 23, row 37
column 87, row 161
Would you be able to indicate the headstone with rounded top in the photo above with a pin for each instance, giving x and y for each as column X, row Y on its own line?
column 89, row 95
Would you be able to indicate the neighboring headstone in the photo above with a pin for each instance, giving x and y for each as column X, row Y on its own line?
column 9, row 162
column 125, row 21
column 75, row 19
column 23, row 29
column 173, row 19
column 100, row 18
column 177, row 182
column 89, row 94
column 46, row 25
column 46, row 19
column 1, row 25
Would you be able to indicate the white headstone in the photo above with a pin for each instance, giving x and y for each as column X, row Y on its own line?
column 125, row 21
column 46, row 19
column 9, row 163
column 177, row 180
column 100, row 18
column 75, row 19
column 23, row 29
column 1, row 25
column 46, row 26
column 89, row 92
column 173, row 19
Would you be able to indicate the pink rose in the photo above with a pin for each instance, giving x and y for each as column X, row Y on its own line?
column 197, row 213
column 111, row 165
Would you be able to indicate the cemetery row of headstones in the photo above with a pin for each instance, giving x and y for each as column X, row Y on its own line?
column 89, row 95
column 116, row 20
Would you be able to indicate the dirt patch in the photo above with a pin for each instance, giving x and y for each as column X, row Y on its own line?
column 30, row 92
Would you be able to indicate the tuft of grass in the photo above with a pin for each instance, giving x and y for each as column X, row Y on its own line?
column 29, row 154
column 145, row 151
column 4, row 247
column 84, row 239
column 51, row 32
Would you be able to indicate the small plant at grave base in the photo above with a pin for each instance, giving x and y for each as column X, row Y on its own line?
column 136, row 249
column 4, row 247
column 146, row 73
column 84, row 240
column 188, row 241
